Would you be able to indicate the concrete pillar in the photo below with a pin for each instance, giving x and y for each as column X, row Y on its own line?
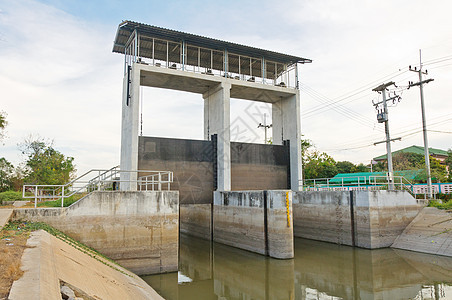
column 217, row 121
column 129, row 129
column 287, row 126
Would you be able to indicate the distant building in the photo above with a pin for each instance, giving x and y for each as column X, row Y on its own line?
column 438, row 154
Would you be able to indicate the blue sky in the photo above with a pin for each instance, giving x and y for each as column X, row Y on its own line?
column 59, row 78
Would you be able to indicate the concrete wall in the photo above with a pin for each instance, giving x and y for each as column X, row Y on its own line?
column 191, row 161
column 259, row 167
column 195, row 220
column 256, row 221
column 254, row 166
column 139, row 230
column 367, row 219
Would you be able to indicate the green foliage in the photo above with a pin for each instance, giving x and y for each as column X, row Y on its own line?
column 345, row 167
column 44, row 164
column 403, row 161
column 57, row 203
column 10, row 196
column 6, row 175
column 360, row 168
column 437, row 204
column 320, row 165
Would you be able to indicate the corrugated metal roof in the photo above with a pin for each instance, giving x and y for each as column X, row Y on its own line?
column 126, row 28
column 416, row 150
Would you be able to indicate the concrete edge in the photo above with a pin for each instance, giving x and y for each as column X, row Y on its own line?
column 42, row 275
column 5, row 216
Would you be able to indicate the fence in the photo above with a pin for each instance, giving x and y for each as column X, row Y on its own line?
column 374, row 183
column 100, row 180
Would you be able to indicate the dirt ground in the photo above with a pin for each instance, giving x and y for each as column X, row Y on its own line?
column 12, row 245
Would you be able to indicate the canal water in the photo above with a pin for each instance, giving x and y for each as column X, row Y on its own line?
column 318, row 271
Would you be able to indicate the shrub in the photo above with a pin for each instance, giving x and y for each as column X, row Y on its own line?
column 437, row 204
column 10, row 196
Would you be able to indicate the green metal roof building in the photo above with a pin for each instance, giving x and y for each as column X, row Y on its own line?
column 439, row 154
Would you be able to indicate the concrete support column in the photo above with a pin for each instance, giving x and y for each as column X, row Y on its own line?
column 129, row 128
column 287, row 126
column 217, row 121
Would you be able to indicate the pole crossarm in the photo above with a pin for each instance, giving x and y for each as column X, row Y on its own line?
column 391, row 140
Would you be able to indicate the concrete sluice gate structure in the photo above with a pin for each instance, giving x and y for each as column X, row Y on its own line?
column 248, row 173
column 241, row 194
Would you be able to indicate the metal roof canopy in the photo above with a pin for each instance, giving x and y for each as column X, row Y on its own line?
column 126, row 29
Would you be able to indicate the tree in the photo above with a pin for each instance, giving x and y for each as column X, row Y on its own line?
column 44, row 164
column 320, row 165
column 360, row 168
column 3, row 124
column 345, row 167
column 6, row 175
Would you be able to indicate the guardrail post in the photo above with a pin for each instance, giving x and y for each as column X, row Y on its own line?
column 160, row 181
column 98, row 182
column 62, row 196
column 36, row 196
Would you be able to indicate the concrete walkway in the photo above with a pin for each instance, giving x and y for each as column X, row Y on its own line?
column 50, row 260
column 5, row 214
column 430, row 232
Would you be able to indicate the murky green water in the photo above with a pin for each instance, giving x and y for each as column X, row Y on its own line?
column 319, row 271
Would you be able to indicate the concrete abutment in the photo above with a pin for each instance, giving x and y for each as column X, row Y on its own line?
column 139, row 230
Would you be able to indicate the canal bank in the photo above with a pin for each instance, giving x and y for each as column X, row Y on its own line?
column 49, row 263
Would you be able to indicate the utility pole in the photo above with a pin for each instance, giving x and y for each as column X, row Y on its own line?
column 382, row 117
column 424, row 124
column 265, row 126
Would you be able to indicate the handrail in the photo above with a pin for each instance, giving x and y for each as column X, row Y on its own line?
column 373, row 183
column 110, row 179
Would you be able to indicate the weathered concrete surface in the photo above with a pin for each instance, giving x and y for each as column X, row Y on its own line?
column 49, row 260
column 378, row 218
column 255, row 221
column 195, row 220
column 139, row 230
column 280, row 224
column 5, row 214
column 429, row 232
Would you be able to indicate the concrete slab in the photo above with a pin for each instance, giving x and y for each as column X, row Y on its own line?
column 19, row 203
column 5, row 214
column 49, row 260
column 429, row 232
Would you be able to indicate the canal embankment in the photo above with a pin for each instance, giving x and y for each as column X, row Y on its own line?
column 139, row 230
column 430, row 232
column 50, row 263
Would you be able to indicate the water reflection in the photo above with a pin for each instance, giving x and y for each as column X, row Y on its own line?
column 319, row 271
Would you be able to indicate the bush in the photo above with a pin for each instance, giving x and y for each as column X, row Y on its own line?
column 10, row 196
column 437, row 204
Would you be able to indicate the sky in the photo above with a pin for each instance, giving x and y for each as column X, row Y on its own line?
column 60, row 80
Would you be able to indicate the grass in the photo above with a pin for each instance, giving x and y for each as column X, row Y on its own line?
column 26, row 227
column 12, row 246
column 10, row 196
column 435, row 203
column 57, row 203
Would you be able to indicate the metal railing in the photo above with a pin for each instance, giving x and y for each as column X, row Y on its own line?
column 100, row 180
column 328, row 184
column 361, row 183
